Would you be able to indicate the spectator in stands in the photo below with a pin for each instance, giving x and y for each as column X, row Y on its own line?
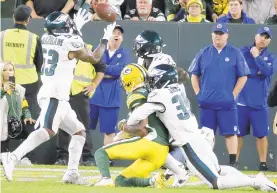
column 42, row 8
column 86, row 78
column 94, row 14
column 106, row 101
column 145, row 12
column 272, row 20
column 177, row 12
column 24, row 50
column 252, row 100
column 16, row 120
column 236, row 14
column 259, row 10
column 195, row 8
column 216, row 9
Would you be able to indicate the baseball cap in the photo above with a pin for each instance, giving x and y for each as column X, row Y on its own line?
column 265, row 30
column 120, row 28
column 22, row 13
column 220, row 27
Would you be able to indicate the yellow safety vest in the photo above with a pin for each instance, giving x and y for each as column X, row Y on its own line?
column 19, row 46
column 83, row 75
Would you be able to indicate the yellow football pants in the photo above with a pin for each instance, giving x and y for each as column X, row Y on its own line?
column 149, row 155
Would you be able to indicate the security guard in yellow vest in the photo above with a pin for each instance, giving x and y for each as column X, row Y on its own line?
column 86, row 79
column 24, row 50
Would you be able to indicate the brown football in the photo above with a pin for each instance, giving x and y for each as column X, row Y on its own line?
column 105, row 12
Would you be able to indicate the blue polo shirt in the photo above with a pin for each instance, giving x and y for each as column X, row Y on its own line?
column 218, row 72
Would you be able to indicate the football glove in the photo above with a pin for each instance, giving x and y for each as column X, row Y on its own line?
column 122, row 135
column 108, row 31
column 121, row 124
column 82, row 17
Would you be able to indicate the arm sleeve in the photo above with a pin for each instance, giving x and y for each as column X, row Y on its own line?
column 38, row 59
column 195, row 64
column 115, row 70
column 267, row 68
column 100, row 66
column 25, row 110
column 143, row 111
column 242, row 67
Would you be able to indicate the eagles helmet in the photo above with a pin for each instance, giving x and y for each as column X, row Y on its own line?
column 161, row 76
column 132, row 77
column 58, row 23
column 147, row 44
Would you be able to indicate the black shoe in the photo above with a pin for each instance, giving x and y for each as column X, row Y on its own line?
column 263, row 167
column 111, row 163
column 61, row 162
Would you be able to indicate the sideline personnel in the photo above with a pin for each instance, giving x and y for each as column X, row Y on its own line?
column 24, row 50
column 219, row 72
column 252, row 101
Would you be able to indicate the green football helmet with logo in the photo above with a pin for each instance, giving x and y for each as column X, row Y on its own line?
column 147, row 44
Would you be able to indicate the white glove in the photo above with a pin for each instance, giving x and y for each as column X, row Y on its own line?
column 81, row 18
column 108, row 31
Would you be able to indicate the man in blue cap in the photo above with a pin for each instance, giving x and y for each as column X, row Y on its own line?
column 252, row 101
column 219, row 72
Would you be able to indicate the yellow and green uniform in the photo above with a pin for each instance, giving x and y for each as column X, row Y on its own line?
column 149, row 152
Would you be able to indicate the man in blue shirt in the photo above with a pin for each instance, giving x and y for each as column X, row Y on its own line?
column 252, row 101
column 105, row 103
column 219, row 72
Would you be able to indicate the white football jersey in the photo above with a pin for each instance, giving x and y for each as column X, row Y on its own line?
column 58, row 70
column 177, row 116
column 158, row 59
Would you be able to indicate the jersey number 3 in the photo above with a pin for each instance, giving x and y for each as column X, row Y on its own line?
column 50, row 60
column 184, row 114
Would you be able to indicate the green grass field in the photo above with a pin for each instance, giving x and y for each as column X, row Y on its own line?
column 47, row 179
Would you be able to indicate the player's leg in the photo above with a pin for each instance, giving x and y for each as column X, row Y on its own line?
column 47, row 126
column 228, row 127
column 259, row 119
column 76, row 129
column 129, row 149
column 143, row 181
column 176, row 168
column 136, row 174
column 203, row 163
column 233, row 178
column 108, row 118
column 243, row 126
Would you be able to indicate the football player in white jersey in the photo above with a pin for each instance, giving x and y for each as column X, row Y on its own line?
column 62, row 47
column 167, row 100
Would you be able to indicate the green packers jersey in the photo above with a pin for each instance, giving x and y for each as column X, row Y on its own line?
column 157, row 132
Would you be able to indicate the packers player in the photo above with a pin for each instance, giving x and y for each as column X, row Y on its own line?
column 149, row 152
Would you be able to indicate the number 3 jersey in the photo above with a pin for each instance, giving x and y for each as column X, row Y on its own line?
column 176, row 113
column 58, row 70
